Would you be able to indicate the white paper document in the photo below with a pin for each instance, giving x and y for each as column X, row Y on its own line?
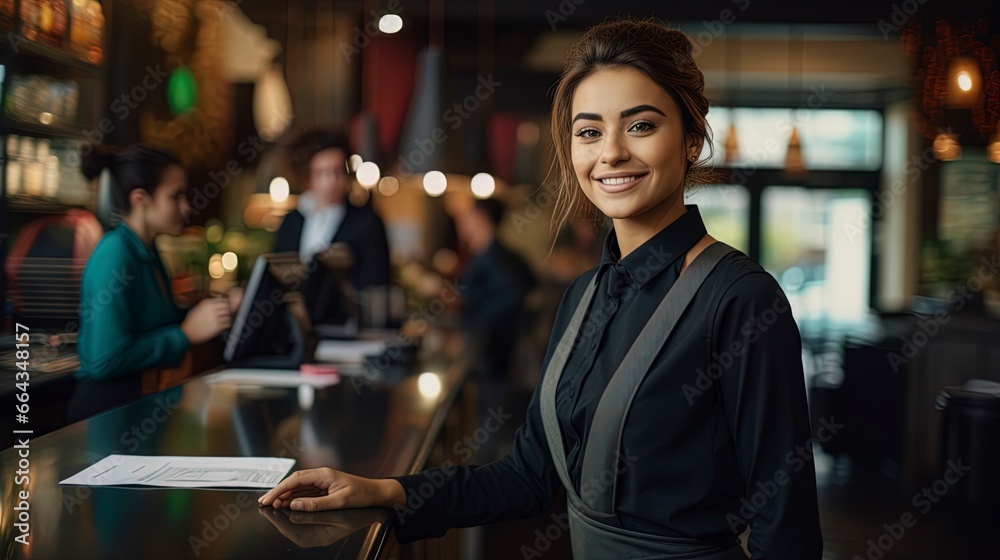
column 270, row 378
column 184, row 472
column 347, row 351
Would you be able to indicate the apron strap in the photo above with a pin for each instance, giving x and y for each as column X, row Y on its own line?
column 604, row 442
column 553, row 434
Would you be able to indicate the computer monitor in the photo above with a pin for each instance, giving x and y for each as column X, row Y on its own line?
column 329, row 297
column 271, row 328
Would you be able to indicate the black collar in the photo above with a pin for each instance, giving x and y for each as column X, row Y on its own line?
column 658, row 252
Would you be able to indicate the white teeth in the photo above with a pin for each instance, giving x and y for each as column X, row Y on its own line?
column 618, row 180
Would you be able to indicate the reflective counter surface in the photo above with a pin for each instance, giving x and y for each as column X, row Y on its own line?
column 371, row 428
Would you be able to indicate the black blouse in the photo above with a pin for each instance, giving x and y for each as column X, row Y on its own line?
column 716, row 438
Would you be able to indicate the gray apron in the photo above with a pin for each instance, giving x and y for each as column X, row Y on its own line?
column 592, row 514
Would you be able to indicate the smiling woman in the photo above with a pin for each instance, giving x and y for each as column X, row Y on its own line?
column 658, row 458
column 660, row 115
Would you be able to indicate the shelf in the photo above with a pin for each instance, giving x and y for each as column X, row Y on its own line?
column 65, row 130
column 30, row 204
column 20, row 46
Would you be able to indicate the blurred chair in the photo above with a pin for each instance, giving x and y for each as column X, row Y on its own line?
column 869, row 401
column 45, row 264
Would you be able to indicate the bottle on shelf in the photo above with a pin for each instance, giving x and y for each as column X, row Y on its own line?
column 29, row 19
column 32, row 168
column 13, row 165
column 60, row 23
column 79, row 29
column 8, row 11
column 44, row 20
column 52, row 177
column 95, row 47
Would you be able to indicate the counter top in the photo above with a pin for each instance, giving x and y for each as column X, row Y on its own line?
column 373, row 428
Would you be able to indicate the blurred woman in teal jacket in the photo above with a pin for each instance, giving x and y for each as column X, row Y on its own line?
column 128, row 319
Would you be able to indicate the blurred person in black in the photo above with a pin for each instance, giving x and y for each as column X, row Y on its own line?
column 494, row 284
column 324, row 216
column 672, row 406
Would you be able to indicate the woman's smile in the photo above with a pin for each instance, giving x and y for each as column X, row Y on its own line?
column 613, row 183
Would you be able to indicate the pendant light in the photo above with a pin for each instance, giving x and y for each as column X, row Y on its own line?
column 732, row 143
column 794, row 162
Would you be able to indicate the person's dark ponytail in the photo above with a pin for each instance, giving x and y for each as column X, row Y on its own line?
column 96, row 160
column 137, row 166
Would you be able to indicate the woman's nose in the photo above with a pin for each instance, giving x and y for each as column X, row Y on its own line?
column 613, row 150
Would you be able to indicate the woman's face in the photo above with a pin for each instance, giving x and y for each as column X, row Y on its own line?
column 328, row 175
column 168, row 207
column 628, row 146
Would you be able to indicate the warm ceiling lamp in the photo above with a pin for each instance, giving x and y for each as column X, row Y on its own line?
column 946, row 147
column 965, row 83
column 993, row 147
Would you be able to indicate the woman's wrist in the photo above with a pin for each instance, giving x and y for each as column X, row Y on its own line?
column 391, row 493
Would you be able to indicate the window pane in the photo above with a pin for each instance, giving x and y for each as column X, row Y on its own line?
column 831, row 138
column 815, row 245
column 726, row 212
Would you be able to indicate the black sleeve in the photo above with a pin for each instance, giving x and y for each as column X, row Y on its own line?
column 763, row 394
column 522, row 484
column 289, row 233
column 373, row 261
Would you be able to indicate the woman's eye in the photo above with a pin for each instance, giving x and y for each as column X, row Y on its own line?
column 588, row 133
column 642, row 126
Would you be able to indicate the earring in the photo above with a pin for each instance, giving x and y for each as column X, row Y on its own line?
column 694, row 157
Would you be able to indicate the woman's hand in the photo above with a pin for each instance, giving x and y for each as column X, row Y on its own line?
column 235, row 296
column 321, row 489
column 206, row 320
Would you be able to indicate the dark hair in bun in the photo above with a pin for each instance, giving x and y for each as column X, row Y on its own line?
column 137, row 166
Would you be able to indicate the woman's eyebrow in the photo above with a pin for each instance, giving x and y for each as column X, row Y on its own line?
column 624, row 114
column 640, row 108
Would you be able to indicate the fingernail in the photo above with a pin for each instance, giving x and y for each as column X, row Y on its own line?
column 297, row 504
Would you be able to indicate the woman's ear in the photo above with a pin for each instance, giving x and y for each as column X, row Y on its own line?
column 137, row 197
column 693, row 147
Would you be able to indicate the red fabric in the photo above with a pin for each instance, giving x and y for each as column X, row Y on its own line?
column 388, row 73
column 87, row 233
column 501, row 140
